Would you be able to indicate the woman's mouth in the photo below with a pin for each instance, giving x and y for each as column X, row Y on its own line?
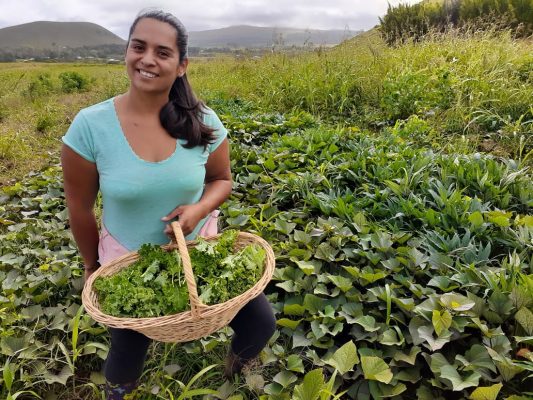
column 147, row 74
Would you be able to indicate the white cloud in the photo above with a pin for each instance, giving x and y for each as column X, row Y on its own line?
column 117, row 15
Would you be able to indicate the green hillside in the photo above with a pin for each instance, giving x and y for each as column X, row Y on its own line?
column 45, row 35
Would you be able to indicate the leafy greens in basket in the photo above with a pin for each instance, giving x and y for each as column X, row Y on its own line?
column 154, row 285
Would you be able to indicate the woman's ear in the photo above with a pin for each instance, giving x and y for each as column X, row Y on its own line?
column 182, row 68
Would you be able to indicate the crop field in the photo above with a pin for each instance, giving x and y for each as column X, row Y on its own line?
column 394, row 185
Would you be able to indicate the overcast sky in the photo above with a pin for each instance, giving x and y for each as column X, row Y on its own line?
column 117, row 15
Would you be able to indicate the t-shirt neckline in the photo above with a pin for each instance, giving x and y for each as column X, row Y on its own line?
column 127, row 143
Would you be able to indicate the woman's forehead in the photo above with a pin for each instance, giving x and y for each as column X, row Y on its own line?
column 152, row 31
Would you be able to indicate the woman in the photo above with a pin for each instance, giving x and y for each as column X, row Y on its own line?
column 155, row 153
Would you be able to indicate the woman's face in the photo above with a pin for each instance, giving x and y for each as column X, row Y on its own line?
column 152, row 57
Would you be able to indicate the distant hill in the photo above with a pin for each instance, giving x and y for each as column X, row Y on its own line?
column 257, row 37
column 45, row 40
column 46, row 35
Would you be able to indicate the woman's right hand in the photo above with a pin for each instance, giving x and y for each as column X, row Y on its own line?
column 88, row 271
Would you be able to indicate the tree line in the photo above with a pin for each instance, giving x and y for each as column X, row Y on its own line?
column 413, row 22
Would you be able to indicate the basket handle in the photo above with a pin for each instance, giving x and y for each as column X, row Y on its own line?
column 196, row 304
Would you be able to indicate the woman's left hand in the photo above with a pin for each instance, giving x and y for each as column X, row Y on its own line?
column 188, row 216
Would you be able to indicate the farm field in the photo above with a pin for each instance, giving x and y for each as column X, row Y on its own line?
column 394, row 185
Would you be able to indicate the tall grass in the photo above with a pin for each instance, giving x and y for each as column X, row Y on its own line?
column 479, row 85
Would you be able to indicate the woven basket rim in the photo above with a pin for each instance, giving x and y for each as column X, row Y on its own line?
column 205, row 312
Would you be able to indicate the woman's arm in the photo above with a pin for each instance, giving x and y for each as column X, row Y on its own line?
column 80, row 181
column 217, row 189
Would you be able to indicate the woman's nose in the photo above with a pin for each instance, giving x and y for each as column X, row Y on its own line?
column 148, row 58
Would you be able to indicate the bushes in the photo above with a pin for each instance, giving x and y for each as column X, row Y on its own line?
column 73, row 82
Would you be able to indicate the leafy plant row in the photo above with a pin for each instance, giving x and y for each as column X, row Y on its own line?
column 421, row 260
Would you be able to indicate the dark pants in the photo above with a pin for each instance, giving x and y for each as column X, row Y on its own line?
column 253, row 325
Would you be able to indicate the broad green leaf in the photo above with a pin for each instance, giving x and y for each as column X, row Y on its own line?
column 456, row 302
column 486, row 393
column 407, row 358
column 285, row 378
column 381, row 240
column 525, row 318
column 326, row 252
column 367, row 322
column 300, row 340
column 375, row 369
column 302, row 237
column 313, row 303
column 284, row 226
column 521, row 297
column 309, row 267
column 392, row 337
column 341, row 282
column 381, row 390
column 288, row 323
column 294, row 363
column 500, row 218
column 449, row 373
column 441, row 321
column 293, row 309
column 311, row 386
column 475, row 358
column 476, row 219
column 344, row 358
column 426, row 333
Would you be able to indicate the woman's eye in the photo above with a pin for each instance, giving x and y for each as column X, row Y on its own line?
column 163, row 54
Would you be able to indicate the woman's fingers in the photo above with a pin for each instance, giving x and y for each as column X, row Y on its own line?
column 173, row 214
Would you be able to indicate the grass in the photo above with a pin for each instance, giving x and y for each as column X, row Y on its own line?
column 451, row 82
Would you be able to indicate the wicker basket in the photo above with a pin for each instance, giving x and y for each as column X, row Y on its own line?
column 201, row 319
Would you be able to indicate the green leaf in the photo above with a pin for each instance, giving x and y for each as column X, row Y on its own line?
column 486, row 393
column 313, row 303
column 284, row 226
column 500, row 218
column 449, row 373
column 288, row 323
column 426, row 333
column 344, row 358
column 309, row 267
column 475, row 358
column 294, row 363
column 392, row 337
column 476, row 219
column 456, row 302
column 293, row 309
column 285, row 378
column 326, row 252
column 441, row 321
column 311, row 386
column 8, row 375
column 525, row 318
column 375, row 369
column 367, row 322
column 407, row 358
column 341, row 282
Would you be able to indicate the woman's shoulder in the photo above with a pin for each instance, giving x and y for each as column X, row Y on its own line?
column 96, row 111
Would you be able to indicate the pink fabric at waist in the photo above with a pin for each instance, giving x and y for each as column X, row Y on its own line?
column 109, row 248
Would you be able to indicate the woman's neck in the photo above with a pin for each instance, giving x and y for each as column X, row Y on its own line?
column 144, row 103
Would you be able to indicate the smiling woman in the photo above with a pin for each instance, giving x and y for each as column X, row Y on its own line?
column 155, row 153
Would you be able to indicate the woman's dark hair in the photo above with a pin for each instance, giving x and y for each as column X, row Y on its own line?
column 182, row 115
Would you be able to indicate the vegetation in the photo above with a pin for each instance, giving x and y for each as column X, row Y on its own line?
column 155, row 285
column 407, row 22
column 394, row 185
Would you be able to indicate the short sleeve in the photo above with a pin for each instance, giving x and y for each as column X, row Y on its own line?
column 212, row 120
column 79, row 138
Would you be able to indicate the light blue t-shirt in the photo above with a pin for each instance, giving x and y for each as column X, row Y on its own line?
column 137, row 193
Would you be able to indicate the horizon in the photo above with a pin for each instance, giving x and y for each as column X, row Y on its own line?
column 117, row 15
